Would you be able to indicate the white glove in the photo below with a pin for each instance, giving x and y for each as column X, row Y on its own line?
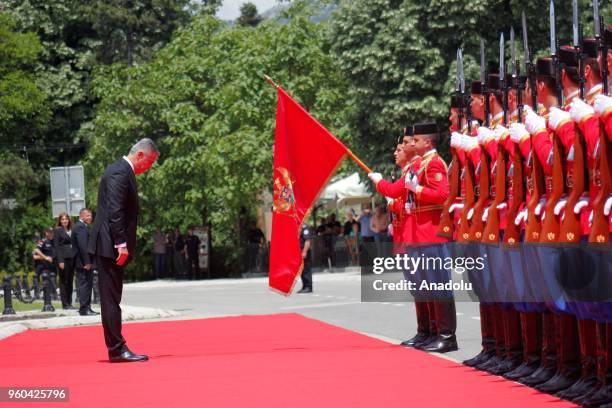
column 556, row 117
column 412, row 184
column 539, row 207
column 527, row 109
column 521, row 217
column 500, row 131
column 484, row 134
column 518, row 132
column 607, row 207
column 560, row 205
column 469, row 143
column 455, row 140
column 580, row 110
column 582, row 202
column 534, row 122
column 453, row 207
column 389, row 201
column 375, row 177
column 470, row 213
column 602, row 104
column 591, row 218
column 501, row 206
column 485, row 214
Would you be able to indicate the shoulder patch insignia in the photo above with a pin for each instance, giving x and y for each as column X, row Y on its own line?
column 438, row 176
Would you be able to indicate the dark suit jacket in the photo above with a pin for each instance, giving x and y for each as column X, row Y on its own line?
column 117, row 212
column 80, row 238
column 63, row 245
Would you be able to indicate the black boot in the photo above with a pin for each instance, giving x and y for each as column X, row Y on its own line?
column 523, row 370
column 539, row 376
column 446, row 319
column 560, row 382
column 484, row 355
column 601, row 397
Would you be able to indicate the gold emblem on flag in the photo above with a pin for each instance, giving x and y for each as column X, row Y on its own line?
column 284, row 199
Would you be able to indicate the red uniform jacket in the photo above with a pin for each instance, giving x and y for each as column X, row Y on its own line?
column 431, row 193
column 398, row 192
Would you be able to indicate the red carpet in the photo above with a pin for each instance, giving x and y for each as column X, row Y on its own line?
column 283, row 360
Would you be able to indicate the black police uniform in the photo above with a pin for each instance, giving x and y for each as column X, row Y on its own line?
column 46, row 247
column 306, row 235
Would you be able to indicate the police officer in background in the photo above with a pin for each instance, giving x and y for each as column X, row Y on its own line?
column 305, row 244
column 44, row 254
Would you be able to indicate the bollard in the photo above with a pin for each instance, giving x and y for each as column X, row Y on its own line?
column 47, row 287
column 8, row 296
column 36, row 286
column 96, row 289
column 53, row 280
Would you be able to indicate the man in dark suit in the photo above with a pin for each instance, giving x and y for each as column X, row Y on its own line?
column 83, row 262
column 113, row 239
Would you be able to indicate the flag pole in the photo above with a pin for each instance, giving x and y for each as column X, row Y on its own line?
column 348, row 151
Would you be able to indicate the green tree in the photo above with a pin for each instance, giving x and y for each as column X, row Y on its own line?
column 394, row 71
column 248, row 15
column 131, row 31
column 204, row 100
column 23, row 109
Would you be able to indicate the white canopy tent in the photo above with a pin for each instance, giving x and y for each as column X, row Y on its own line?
column 346, row 192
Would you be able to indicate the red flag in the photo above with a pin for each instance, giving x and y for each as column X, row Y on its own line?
column 305, row 157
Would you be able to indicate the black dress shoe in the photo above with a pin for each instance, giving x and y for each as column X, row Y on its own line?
column 88, row 313
column 68, row 307
column 428, row 340
column 558, row 383
column 442, row 345
column 305, row 290
column 127, row 357
column 580, row 388
column 540, row 376
column 419, row 338
column 523, row 370
column 480, row 358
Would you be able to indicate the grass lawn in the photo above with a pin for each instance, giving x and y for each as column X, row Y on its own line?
column 23, row 307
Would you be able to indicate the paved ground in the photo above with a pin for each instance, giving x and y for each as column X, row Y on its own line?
column 336, row 300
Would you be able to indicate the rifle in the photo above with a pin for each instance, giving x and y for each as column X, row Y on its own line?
column 446, row 225
column 600, row 228
column 529, row 66
column 535, row 183
column 474, row 228
column 491, row 230
column 516, row 189
column 571, row 229
column 550, row 224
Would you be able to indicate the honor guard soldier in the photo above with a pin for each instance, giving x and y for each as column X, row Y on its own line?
column 403, row 236
column 428, row 190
